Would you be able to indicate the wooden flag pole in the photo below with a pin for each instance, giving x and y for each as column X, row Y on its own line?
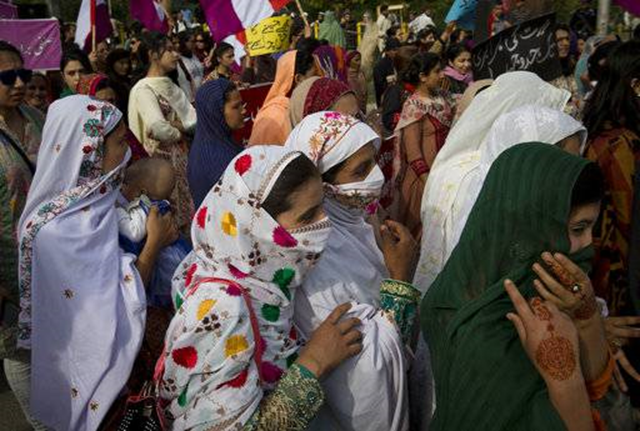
column 304, row 18
column 93, row 25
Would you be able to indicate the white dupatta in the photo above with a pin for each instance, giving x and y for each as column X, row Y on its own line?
column 461, row 155
column 82, row 300
column 368, row 391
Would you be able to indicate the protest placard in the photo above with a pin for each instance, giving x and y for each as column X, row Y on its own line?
column 530, row 46
column 268, row 36
column 37, row 39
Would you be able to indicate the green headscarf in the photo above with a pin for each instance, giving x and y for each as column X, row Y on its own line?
column 483, row 377
column 331, row 30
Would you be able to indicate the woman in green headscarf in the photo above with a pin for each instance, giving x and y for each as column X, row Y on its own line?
column 536, row 199
column 331, row 30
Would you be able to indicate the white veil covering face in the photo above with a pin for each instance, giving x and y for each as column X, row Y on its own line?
column 461, row 155
column 83, row 304
column 368, row 391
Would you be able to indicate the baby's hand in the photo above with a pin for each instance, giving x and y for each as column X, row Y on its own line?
column 161, row 229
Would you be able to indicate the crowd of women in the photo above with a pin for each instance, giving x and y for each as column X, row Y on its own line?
column 488, row 280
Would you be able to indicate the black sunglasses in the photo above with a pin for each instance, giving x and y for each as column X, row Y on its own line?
column 9, row 77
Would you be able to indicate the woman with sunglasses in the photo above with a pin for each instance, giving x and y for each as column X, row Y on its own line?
column 20, row 135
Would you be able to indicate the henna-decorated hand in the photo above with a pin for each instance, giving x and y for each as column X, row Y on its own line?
column 556, row 288
column 548, row 336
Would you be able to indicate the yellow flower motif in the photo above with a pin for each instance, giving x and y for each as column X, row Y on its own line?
column 235, row 344
column 204, row 307
column 229, row 224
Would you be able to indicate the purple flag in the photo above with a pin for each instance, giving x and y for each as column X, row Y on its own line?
column 632, row 6
column 8, row 11
column 150, row 14
column 37, row 39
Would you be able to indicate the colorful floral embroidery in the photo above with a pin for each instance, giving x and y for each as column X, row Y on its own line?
column 186, row 357
column 204, row 308
column 235, row 344
column 229, row 224
column 270, row 312
column 283, row 278
column 270, row 372
column 201, row 217
column 243, row 164
column 92, row 127
column 283, row 238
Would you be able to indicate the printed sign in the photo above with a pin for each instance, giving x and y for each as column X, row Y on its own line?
column 268, row 36
column 530, row 46
column 37, row 39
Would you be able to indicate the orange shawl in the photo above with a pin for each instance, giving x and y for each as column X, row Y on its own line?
column 272, row 125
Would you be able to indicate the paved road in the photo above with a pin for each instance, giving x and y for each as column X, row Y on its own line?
column 11, row 417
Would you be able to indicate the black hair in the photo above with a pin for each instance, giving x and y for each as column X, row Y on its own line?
column 221, row 49
column 75, row 54
column 151, row 43
column 613, row 100
column 422, row 63
column 7, row 47
column 384, row 8
column 297, row 28
column 392, row 30
column 207, row 39
column 305, row 60
column 454, row 52
column 295, row 175
column 183, row 38
column 595, row 64
column 589, row 187
column 636, row 32
column 426, row 32
column 308, row 44
column 115, row 56
column 563, row 27
column 230, row 89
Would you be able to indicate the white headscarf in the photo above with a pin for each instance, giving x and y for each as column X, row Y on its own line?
column 531, row 123
column 210, row 378
column 328, row 139
column 351, row 270
column 82, row 301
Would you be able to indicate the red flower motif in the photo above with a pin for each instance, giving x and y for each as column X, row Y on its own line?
column 293, row 334
column 270, row 372
column 103, row 189
column 87, row 149
column 29, row 225
column 201, row 217
column 91, row 108
column 236, row 272
column 283, row 238
column 185, row 357
column 236, row 382
column 189, row 277
column 233, row 291
column 243, row 164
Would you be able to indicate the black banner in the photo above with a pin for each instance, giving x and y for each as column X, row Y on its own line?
column 529, row 46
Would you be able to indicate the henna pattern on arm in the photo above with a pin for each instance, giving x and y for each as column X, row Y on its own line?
column 587, row 308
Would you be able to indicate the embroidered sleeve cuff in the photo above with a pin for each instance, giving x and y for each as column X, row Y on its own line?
column 292, row 405
column 400, row 300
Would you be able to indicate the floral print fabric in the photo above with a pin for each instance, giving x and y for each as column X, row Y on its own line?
column 211, row 379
